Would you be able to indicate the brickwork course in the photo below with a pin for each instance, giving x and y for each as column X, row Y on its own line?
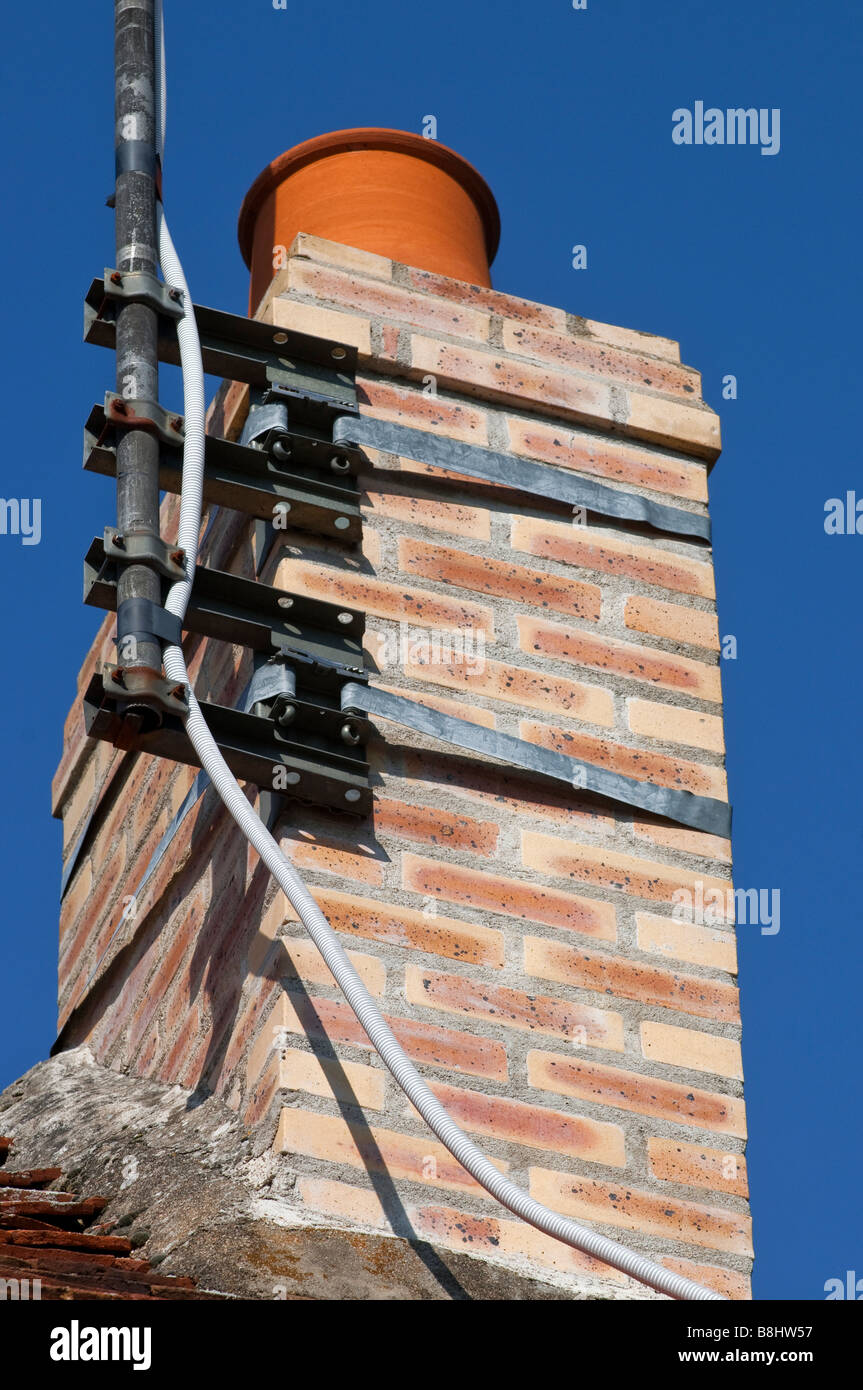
column 518, row 938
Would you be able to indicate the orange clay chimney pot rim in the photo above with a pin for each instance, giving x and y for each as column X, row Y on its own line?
column 390, row 192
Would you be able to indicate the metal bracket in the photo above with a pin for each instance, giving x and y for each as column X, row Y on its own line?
column 145, row 415
column 141, row 548
column 699, row 812
column 140, row 287
column 322, row 500
column 317, row 373
column 507, row 470
column 326, row 636
column 288, row 689
column 301, row 765
column 125, row 683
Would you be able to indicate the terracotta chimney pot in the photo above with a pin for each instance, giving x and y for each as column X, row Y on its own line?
column 386, row 191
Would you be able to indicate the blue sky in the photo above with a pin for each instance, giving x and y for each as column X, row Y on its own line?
column 748, row 260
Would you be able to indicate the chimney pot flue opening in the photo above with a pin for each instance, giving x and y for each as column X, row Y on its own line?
column 386, row 191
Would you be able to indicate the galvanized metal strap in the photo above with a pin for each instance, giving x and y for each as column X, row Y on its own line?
column 699, row 812
column 270, row 679
column 512, row 472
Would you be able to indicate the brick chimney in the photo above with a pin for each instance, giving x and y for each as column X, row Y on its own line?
column 518, row 935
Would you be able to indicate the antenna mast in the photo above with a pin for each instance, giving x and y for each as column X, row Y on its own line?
column 136, row 190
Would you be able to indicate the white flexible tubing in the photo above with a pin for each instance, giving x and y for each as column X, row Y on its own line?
column 463, row 1149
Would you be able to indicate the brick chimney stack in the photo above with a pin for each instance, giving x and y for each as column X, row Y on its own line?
column 518, row 935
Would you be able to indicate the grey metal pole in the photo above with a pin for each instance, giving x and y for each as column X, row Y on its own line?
column 137, row 325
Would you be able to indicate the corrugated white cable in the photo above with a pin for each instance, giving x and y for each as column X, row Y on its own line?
column 413, row 1085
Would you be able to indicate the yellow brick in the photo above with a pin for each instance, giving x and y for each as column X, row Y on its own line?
column 634, row 340
column 687, row 841
column 673, row 621
column 317, row 248
column 372, row 546
column 340, row 1200
column 515, row 685
column 649, row 1213
column 352, row 1082
column 382, row 599
column 678, row 674
column 684, row 941
column 604, row 868
column 265, row 1047
column 673, row 725
column 725, row 1281
column 284, row 1017
column 322, row 323
column 414, row 1158
column 695, row 1165
column 592, row 549
column 279, row 912
column 394, row 303
column 686, row 1047
column 518, row 1239
column 303, row 959
column 684, row 427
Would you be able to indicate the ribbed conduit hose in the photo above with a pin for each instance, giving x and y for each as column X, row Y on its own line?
column 413, row 1085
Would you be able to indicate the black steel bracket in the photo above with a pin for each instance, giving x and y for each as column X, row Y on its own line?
column 699, row 812
column 315, row 490
column 507, row 470
column 325, row 636
column 295, row 761
column 316, row 373
column 306, row 721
